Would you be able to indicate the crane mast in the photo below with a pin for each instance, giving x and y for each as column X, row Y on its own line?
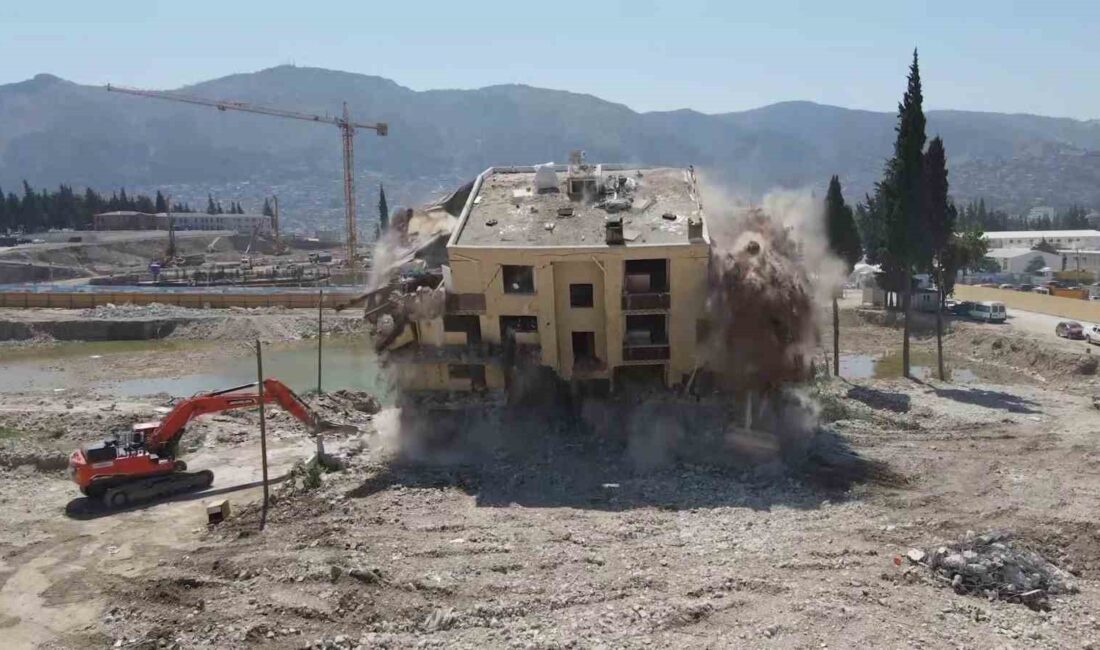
column 347, row 135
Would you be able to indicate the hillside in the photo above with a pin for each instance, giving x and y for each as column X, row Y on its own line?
column 57, row 131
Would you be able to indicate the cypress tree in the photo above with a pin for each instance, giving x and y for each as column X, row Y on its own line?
column 211, row 208
column 844, row 243
column 939, row 219
column 161, row 204
column 906, row 235
column 383, row 210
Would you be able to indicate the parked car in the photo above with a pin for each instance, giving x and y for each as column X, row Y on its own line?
column 1042, row 290
column 989, row 311
column 1069, row 329
column 1025, row 287
column 1008, row 286
column 961, row 308
column 1092, row 334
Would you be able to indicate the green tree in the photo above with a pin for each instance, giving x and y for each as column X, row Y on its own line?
column 966, row 251
column 161, row 203
column 267, row 211
column 211, row 207
column 1037, row 263
column 844, row 243
column 902, row 188
column 939, row 220
column 383, row 210
column 1045, row 246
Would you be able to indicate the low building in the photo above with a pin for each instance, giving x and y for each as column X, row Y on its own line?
column 1058, row 238
column 1087, row 261
column 124, row 220
column 598, row 273
column 1017, row 260
column 246, row 224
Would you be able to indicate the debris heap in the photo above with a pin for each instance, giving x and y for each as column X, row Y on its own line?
column 994, row 566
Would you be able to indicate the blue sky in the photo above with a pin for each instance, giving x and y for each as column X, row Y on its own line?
column 995, row 55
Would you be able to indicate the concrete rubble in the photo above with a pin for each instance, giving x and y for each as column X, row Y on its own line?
column 994, row 566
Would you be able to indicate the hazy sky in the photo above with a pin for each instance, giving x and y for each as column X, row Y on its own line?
column 996, row 55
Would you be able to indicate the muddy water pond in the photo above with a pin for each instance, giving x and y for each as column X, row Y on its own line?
column 922, row 365
column 348, row 363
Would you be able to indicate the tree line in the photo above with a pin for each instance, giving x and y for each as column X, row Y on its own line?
column 909, row 225
column 975, row 214
column 33, row 210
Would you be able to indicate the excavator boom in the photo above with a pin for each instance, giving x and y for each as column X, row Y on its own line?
column 144, row 465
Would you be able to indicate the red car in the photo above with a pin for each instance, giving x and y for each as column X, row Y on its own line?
column 1070, row 329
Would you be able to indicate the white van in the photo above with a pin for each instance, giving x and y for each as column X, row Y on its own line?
column 989, row 311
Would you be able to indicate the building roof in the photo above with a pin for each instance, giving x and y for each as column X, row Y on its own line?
column 505, row 209
column 1010, row 253
column 1028, row 234
column 220, row 216
column 132, row 213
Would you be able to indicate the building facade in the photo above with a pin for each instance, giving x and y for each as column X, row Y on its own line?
column 1061, row 239
column 1018, row 260
column 598, row 273
column 245, row 224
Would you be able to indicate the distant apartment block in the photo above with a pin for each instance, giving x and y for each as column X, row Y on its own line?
column 129, row 220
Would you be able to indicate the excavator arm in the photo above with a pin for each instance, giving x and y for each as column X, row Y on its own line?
column 238, row 397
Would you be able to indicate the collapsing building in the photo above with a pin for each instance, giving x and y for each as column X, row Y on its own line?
column 594, row 273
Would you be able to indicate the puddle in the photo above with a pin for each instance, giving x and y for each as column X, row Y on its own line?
column 922, row 366
column 347, row 364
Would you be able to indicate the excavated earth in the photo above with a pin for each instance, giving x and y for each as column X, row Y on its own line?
column 557, row 539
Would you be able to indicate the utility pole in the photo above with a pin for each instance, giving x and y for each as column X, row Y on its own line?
column 263, row 426
column 275, row 225
column 171, row 253
column 320, row 329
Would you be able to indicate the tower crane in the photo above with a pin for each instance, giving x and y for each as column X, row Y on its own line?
column 344, row 123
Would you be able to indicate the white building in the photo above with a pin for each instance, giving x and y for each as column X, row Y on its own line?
column 1089, row 239
column 245, row 224
column 1084, row 260
column 1041, row 212
column 1016, row 260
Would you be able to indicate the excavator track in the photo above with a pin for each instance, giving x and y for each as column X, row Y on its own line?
column 156, row 487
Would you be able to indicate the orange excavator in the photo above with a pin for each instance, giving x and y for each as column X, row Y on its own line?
column 143, row 464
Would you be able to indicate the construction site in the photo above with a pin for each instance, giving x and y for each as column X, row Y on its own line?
column 578, row 405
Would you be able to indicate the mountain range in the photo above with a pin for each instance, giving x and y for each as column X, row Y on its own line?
column 55, row 131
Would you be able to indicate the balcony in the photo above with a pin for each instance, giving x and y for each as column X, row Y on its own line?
column 465, row 303
column 646, row 338
column 478, row 353
column 654, row 301
column 651, row 352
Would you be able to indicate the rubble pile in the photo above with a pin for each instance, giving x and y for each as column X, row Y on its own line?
column 112, row 311
column 993, row 565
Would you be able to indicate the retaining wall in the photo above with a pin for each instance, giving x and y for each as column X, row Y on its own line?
column 91, row 329
column 199, row 300
column 1072, row 308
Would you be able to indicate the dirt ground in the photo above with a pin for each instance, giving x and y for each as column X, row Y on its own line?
column 560, row 541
